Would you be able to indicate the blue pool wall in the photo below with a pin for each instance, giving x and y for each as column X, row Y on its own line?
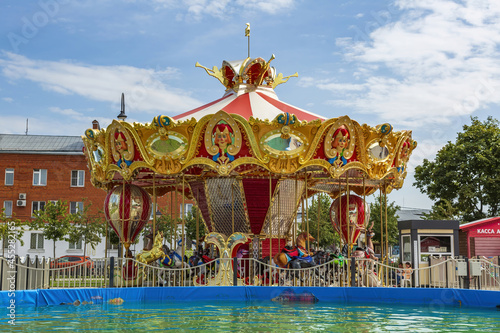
column 416, row 296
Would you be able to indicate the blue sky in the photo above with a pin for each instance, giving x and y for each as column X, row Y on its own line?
column 425, row 66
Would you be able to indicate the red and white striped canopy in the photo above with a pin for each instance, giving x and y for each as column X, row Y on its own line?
column 260, row 102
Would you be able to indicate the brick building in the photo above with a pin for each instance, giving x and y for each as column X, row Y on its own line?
column 37, row 169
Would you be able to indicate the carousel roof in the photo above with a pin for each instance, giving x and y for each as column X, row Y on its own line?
column 249, row 92
column 262, row 103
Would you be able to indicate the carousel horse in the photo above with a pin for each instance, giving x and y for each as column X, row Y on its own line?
column 155, row 253
column 200, row 257
column 173, row 259
column 307, row 261
column 200, row 263
column 288, row 253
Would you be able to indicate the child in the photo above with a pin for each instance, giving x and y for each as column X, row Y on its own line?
column 408, row 271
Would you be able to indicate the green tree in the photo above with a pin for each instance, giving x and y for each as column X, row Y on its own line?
column 164, row 223
column 327, row 235
column 442, row 210
column 54, row 221
column 86, row 227
column 466, row 173
column 11, row 229
column 192, row 216
column 392, row 221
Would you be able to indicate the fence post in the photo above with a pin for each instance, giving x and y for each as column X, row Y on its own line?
column 111, row 271
column 1, row 273
column 27, row 271
column 235, row 271
column 467, row 278
column 36, row 272
column 353, row 272
column 17, row 273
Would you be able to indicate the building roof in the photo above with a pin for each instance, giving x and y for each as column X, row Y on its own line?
column 411, row 213
column 40, row 144
column 487, row 220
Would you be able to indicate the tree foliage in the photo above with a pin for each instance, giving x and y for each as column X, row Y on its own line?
column 193, row 217
column 166, row 224
column 466, row 173
column 53, row 221
column 86, row 227
column 327, row 235
column 392, row 221
column 11, row 229
column 442, row 210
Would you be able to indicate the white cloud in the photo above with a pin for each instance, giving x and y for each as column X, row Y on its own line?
column 196, row 9
column 145, row 89
column 8, row 99
column 437, row 61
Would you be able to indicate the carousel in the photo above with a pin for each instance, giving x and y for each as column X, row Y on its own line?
column 249, row 161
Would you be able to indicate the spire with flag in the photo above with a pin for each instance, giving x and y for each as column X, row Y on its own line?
column 247, row 34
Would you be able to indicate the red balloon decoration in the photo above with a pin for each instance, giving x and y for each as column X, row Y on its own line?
column 127, row 208
column 357, row 213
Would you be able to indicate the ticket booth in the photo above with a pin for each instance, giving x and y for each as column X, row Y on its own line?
column 421, row 239
column 481, row 238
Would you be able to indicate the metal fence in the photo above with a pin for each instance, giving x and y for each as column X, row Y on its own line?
column 42, row 273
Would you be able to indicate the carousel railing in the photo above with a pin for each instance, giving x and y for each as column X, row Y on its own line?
column 41, row 273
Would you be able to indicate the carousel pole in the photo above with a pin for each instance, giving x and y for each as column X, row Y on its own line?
column 232, row 205
column 279, row 218
column 381, row 227
column 386, row 225
column 155, row 206
column 106, row 242
column 348, row 217
column 198, row 220
column 122, row 245
column 307, row 217
column 183, row 226
column 364, row 209
column 295, row 227
column 340, row 213
column 270, row 218
column 177, row 209
column 154, row 215
column 302, row 214
column 171, row 219
column 319, row 212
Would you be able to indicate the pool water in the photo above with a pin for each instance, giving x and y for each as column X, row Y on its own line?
column 253, row 317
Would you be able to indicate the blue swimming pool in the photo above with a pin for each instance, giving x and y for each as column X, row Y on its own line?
column 261, row 316
column 263, row 309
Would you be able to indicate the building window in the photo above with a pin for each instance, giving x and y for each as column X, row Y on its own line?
column 36, row 242
column 186, row 210
column 75, row 207
column 406, row 248
column 40, row 177
column 77, row 178
column 8, row 208
column 37, row 205
column 9, row 177
column 75, row 246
